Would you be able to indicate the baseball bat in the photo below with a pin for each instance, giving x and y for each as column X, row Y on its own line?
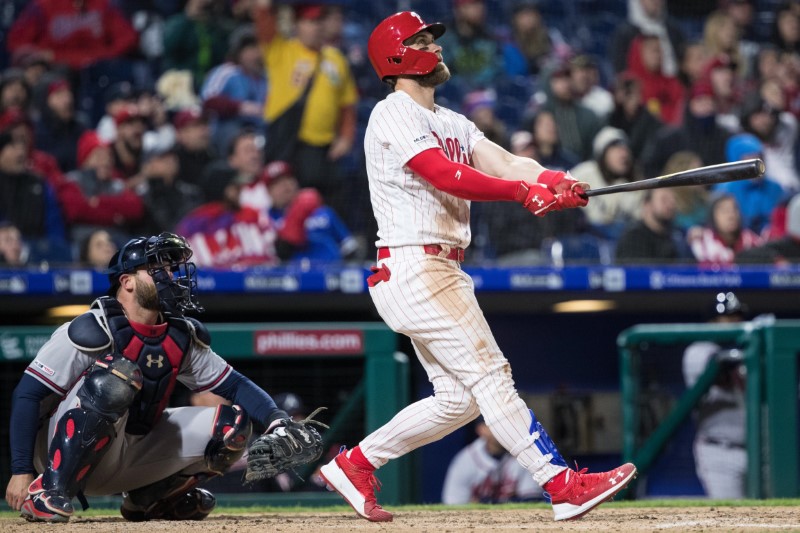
column 738, row 170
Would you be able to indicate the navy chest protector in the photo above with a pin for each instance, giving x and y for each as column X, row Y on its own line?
column 159, row 351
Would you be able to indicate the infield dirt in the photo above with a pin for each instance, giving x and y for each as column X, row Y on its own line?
column 607, row 518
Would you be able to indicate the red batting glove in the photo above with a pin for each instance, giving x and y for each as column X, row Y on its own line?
column 537, row 198
column 562, row 183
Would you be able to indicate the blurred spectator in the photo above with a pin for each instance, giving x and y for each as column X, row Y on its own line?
column 166, row 197
column 13, row 252
column 719, row 446
column 58, row 128
column 728, row 89
column 176, row 89
column 110, row 204
column 779, row 252
column 586, row 86
column 699, row 132
column 159, row 132
column 787, row 29
column 225, row 234
column 245, row 161
column 721, row 40
column 76, row 34
column 648, row 17
column 235, row 92
column 693, row 64
column 743, row 14
column 32, row 64
column 470, row 50
column 28, row 202
column 663, row 94
column 547, row 143
column 15, row 92
column 691, row 202
column 630, row 115
column 531, row 44
column 117, row 97
column 196, row 39
column 307, row 229
column 758, row 197
column 653, row 238
column 484, row 472
column 577, row 124
column 478, row 106
column 97, row 249
column 779, row 134
column 312, row 108
column 127, row 146
column 611, row 163
column 723, row 236
column 193, row 145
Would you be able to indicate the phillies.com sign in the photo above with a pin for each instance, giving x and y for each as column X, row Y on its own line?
column 309, row 342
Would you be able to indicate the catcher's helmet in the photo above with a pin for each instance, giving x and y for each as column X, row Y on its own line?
column 390, row 57
column 166, row 257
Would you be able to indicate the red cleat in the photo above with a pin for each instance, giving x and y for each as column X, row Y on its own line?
column 357, row 486
column 583, row 492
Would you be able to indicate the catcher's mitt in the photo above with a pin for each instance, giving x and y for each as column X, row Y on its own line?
column 288, row 446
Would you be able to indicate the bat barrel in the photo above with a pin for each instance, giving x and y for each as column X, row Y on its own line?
column 738, row 170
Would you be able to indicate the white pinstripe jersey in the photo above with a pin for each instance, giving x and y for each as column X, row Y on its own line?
column 409, row 210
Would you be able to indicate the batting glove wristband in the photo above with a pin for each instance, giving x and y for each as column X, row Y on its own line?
column 563, row 182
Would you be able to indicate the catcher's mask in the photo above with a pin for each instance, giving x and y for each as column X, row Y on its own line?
column 166, row 257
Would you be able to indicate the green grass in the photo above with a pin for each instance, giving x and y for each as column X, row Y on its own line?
column 241, row 510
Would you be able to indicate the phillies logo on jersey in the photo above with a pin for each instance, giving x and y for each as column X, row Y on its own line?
column 452, row 149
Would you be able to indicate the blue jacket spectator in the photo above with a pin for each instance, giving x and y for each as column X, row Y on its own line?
column 235, row 91
column 307, row 229
column 757, row 197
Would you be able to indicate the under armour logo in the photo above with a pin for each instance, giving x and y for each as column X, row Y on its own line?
column 458, row 175
column 159, row 361
column 538, row 201
column 614, row 481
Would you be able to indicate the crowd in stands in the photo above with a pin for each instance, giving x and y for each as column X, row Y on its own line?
column 239, row 124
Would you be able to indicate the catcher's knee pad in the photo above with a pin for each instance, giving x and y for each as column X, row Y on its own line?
column 81, row 439
column 110, row 386
column 229, row 434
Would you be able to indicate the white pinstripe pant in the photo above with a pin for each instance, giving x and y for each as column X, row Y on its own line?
column 431, row 300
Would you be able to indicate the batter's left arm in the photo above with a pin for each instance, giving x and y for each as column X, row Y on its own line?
column 495, row 160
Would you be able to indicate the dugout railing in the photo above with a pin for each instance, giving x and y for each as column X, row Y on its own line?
column 381, row 391
column 770, row 350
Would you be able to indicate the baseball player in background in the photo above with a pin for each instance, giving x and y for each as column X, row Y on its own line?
column 89, row 414
column 425, row 164
column 484, row 472
column 720, row 454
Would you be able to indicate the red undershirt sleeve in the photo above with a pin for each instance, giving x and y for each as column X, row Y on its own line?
column 462, row 180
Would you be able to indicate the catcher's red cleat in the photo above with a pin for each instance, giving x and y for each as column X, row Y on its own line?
column 47, row 506
column 357, row 486
column 582, row 492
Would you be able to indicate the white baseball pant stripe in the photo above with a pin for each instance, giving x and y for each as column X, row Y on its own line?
column 431, row 300
column 177, row 443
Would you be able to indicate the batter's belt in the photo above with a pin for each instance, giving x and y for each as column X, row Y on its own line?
column 445, row 251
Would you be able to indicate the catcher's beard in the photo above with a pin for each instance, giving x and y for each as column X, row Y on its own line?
column 436, row 77
column 147, row 296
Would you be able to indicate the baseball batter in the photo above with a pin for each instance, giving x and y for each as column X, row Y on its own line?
column 89, row 414
column 425, row 164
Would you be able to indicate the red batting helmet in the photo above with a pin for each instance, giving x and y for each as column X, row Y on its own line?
column 390, row 57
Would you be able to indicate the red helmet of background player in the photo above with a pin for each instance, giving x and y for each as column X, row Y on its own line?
column 390, row 57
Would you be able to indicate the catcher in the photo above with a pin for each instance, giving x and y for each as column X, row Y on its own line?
column 89, row 415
